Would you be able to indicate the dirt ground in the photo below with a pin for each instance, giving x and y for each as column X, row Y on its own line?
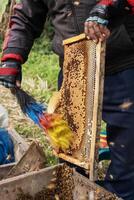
column 10, row 103
column 17, row 120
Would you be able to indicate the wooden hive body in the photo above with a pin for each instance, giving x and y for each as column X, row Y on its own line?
column 57, row 182
column 81, row 98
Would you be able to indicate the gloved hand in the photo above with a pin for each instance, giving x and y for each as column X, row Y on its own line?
column 10, row 74
column 96, row 24
column 99, row 14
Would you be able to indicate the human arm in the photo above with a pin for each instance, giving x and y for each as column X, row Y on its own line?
column 26, row 24
column 96, row 26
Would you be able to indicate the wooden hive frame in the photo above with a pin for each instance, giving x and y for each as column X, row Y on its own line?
column 87, row 90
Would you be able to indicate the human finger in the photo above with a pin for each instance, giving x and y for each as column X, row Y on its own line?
column 90, row 32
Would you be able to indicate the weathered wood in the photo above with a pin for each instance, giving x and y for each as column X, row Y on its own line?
column 97, row 107
column 20, row 145
column 75, row 161
column 33, row 160
column 4, row 169
column 31, row 183
column 88, row 190
column 74, row 39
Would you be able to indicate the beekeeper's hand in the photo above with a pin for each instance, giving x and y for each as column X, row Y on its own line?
column 96, row 25
column 10, row 74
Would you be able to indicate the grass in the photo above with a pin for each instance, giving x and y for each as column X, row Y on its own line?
column 40, row 75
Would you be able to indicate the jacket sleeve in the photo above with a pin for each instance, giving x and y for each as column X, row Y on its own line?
column 119, row 4
column 26, row 24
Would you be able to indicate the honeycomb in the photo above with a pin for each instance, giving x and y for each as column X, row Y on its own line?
column 73, row 90
column 81, row 97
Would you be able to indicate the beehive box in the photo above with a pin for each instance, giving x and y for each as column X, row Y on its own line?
column 54, row 183
column 80, row 99
column 20, row 147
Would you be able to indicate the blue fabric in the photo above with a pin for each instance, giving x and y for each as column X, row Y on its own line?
column 6, row 148
column 118, row 90
column 118, row 112
column 120, row 174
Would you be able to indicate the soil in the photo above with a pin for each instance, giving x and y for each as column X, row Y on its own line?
column 9, row 102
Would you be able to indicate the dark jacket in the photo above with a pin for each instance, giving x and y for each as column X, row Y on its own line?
column 68, row 17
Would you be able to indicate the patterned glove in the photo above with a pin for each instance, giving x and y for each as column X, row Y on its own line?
column 10, row 72
column 96, row 27
column 99, row 13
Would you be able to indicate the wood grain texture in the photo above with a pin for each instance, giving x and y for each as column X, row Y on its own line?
column 32, row 160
